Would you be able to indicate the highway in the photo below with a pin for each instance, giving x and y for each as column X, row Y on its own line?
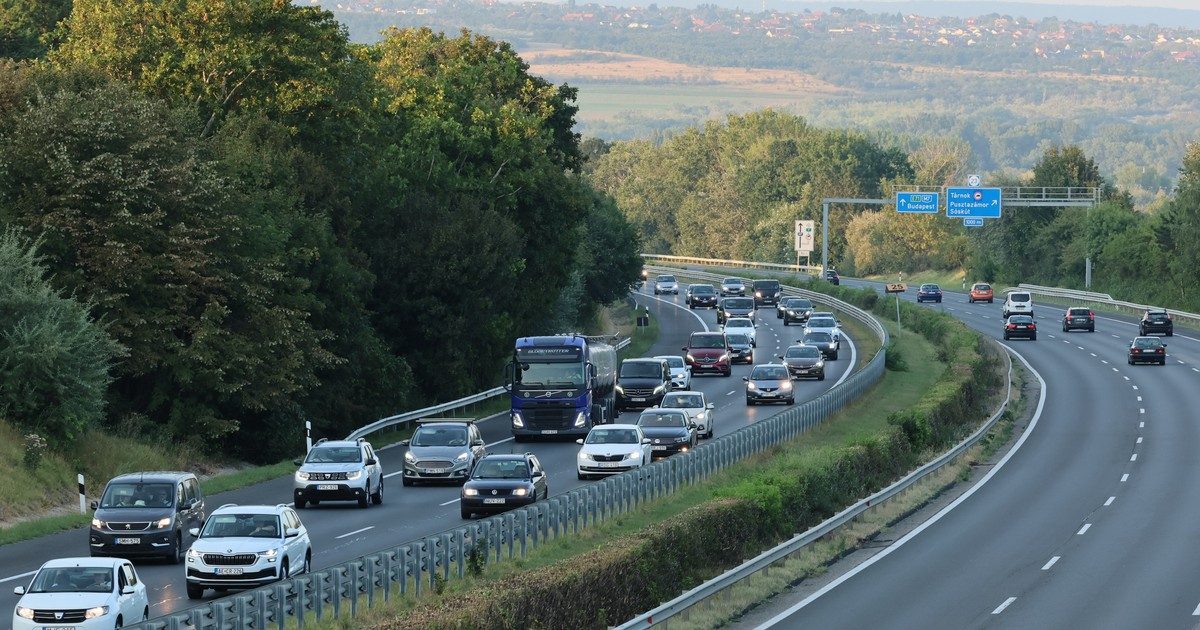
column 341, row 532
column 1089, row 523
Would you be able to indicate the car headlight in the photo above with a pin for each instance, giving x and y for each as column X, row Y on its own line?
column 700, row 416
column 819, row 364
column 634, row 455
column 691, row 358
column 301, row 475
column 462, row 457
column 584, row 457
column 97, row 523
column 657, row 390
column 192, row 553
column 24, row 613
column 409, row 457
column 97, row 611
column 268, row 554
column 163, row 523
column 581, row 418
column 470, row 492
column 724, row 357
column 520, row 492
column 620, row 390
column 751, row 386
column 758, row 294
column 354, row 474
column 787, row 385
column 519, row 422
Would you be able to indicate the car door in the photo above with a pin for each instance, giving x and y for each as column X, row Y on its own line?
column 198, row 507
column 126, row 602
column 477, row 445
column 295, row 545
column 374, row 471
column 140, row 599
column 540, row 485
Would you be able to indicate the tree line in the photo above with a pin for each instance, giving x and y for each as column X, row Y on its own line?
column 263, row 222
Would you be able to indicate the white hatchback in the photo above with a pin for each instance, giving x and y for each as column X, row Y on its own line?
column 82, row 593
column 698, row 409
column 610, row 449
column 681, row 374
column 741, row 326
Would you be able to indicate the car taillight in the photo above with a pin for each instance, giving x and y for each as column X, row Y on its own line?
column 1092, row 316
column 1010, row 325
column 1161, row 351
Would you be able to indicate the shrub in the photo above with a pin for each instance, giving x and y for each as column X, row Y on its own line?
column 35, row 449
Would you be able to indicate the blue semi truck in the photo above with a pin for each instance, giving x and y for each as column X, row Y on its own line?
column 561, row 385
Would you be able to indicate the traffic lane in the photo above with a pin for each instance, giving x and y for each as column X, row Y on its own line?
column 949, row 575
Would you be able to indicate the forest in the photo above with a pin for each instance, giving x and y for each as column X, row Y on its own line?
column 222, row 219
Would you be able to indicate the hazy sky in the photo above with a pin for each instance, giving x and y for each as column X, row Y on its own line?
column 1173, row 4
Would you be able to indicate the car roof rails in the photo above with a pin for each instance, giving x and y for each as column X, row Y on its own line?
column 322, row 440
column 227, row 505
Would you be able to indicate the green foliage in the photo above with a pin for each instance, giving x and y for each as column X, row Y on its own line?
column 894, row 359
column 54, row 358
column 26, row 25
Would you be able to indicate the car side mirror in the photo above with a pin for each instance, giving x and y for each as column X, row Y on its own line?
column 710, row 406
column 779, row 355
column 478, row 443
column 745, row 379
column 194, row 532
column 95, row 505
column 372, row 461
column 404, row 442
column 579, row 441
column 292, row 532
column 128, row 590
column 1164, row 345
column 298, row 461
column 538, row 474
column 20, row 590
column 645, row 440
column 684, row 348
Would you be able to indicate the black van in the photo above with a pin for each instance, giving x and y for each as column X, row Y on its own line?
column 766, row 292
column 145, row 515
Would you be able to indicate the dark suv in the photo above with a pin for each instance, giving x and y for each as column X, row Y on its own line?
column 766, row 292
column 145, row 514
column 1157, row 321
column 642, row 382
column 709, row 352
column 1079, row 317
column 735, row 307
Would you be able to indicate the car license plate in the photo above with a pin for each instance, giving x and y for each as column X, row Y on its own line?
column 437, row 471
column 660, row 448
column 327, row 486
column 1080, row 321
column 638, row 399
column 129, row 541
column 1022, row 326
column 228, row 570
column 497, row 501
column 608, row 464
column 549, row 431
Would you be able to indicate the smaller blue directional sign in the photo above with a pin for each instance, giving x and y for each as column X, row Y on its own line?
column 917, row 202
column 971, row 222
column 973, row 202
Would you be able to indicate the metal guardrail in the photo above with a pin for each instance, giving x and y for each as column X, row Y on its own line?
column 689, row 260
column 412, row 416
column 1101, row 298
column 761, row 562
column 428, row 562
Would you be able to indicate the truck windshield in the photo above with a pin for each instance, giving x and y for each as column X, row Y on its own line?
column 552, row 375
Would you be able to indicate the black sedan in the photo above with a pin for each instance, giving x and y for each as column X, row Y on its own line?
column 833, row 277
column 503, row 482
column 740, row 349
column 670, row 431
column 702, row 296
column 1020, row 326
column 929, row 293
column 806, row 361
column 1147, row 350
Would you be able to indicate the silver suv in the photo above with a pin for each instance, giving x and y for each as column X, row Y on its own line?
column 442, row 451
column 339, row 470
column 244, row 546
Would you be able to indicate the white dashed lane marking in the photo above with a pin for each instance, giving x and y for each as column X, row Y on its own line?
column 1006, row 604
column 357, row 531
column 1083, row 530
column 1046, row 567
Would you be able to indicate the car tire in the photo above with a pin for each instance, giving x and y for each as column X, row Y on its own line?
column 285, row 571
column 1163, row 362
column 581, row 476
column 195, row 592
column 176, row 555
column 1006, row 337
column 709, row 434
column 821, row 376
column 1033, row 337
column 377, row 498
column 1129, row 360
column 1065, row 328
column 465, row 513
column 727, row 374
column 834, row 357
column 406, row 482
column 307, row 568
column 364, row 501
column 1091, row 329
column 750, row 403
column 146, row 613
column 1170, row 333
column 791, row 401
column 301, row 504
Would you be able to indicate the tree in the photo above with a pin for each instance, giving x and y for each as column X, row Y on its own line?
column 1179, row 230
column 25, row 26
column 54, row 357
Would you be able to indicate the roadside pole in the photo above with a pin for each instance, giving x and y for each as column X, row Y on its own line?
column 897, row 288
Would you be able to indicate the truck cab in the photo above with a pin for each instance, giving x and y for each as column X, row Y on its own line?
column 560, row 386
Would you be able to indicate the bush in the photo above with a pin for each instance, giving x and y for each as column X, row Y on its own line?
column 35, row 450
column 894, row 359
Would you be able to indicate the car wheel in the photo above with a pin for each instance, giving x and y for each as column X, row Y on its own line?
column 1129, row 361
column 1091, row 329
column 195, row 592
column 176, row 555
column 581, row 476
column 1170, row 333
column 307, row 563
column 1006, row 337
column 791, row 401
column 285, row 571
column 301, row 504
column 1064, row 328
column 834, row 357
column 821, row 376
column 377, row 498
column 709, row 434
column 749, row 403
column 406, row 482
column 465, row 513
column 1033, row 337
column 1163, row 362
column 145, row 613
column 522, row 438
column 119, row 623
column 690, row 307
column 364, row 500
column 727, row 374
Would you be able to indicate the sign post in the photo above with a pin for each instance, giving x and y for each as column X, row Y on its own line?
column 804, row 240
column 897, row 288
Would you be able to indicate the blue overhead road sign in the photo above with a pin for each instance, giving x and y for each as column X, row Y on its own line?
column 972, row 222
column 973, row 202
column 917, row 202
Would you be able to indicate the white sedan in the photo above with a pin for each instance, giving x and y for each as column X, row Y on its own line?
column 698, row 409
column 681, row 374
column 82, row 593
column 610, row 449
column 741, row 326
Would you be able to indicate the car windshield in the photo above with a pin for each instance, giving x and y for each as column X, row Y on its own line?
column 802, row 352
column 1147, row 342
column 658, row 419
column 640, row 369
column 683, row 401
column 334, row 455
column 821, row 322
column 440, row 436
column 739, row 322
column 73, row 580
column 612, row 436
column 731, row 282
column 501, row 469
column 703, row 289
column 801, row 303
column 766, row 285
column 983, row 287
column 929, row 287
column 1018, row 297
column 739, row 340
column 818, row 337
column 706, row 341
column 552, row 374
column 242, row 526
column 675, row 362
column 739, row 303
column 666, row 278
column 138, row 495
column 768, row 373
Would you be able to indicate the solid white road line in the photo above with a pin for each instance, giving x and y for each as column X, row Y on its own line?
column 684, row 308
column 1037, row 416
column 1046, row 567
column 1083, row 530
column 17, row 577
column 357, row 531
column 1109, row 501
column 1116, row 336
column 1001, row 607
column 1124, row 477
column 1196, row 613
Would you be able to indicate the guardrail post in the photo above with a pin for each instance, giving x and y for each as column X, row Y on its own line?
column 336, row 600
column 461, row 551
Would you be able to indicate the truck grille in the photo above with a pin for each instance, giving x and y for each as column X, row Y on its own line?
column 549, row 417
column 59, row 616
column 222, row 560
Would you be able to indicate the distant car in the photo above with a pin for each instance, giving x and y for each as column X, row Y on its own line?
column 1156, row 321
column 829, row 344
column 708, row 352
column 742, row 326
column 612, row 449
column 1020, row 326
column 698, row 409
column 82, row 593
column 339, row 470
column 823, row 324
column 1147, row 350
column 666, row 284
column 670, row 431
column 642, row 383
column 146, row 514
column 1018, row 303
column 733, row 286
column 681, row 374
column 702, row 296
column 247, row 546
column 804, row 361
column 929, row 293
column 980, row 292
column 1079, row 317
column 769, row 382
column 741, row 350
column 832, row 276
column 442, row 451
column 503, row 482
column 767, row 292
column 735, row 307
column 794, row 309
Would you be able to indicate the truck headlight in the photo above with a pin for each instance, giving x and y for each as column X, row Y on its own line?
column 354, row 474
column 519, row 423
column 581, row 419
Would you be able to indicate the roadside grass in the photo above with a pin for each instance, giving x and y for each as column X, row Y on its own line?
column 624, row 317
column 897, row 390
column 950, row 280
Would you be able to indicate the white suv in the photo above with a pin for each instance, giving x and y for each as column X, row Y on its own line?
column 681, row 374
column 83, row 593
column 1018, row 303
column 741, row 326
column 339, row 471
column 245, row 546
